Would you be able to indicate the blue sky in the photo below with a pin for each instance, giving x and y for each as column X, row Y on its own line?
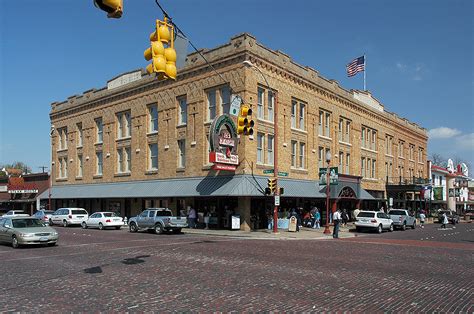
column 419, row 56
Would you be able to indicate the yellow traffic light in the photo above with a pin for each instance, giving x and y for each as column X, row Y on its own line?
column 244, row 122
column 114, row 8
column 272, row 184
column 161, row 51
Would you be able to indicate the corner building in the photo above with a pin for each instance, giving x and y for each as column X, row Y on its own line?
column 140, row 142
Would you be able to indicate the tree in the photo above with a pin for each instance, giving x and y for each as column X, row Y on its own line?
column 438, row 160
column 17, row 165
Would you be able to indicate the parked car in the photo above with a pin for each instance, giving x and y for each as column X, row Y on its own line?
column 26, row 230
column 157, row 219
column 103, row 220
column 378, row 221
column 68, row 216
column 402, row 218
column 16, row 213
column 451, row 216
column 43, row 215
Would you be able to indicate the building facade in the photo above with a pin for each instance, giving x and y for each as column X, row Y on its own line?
column 141, row 142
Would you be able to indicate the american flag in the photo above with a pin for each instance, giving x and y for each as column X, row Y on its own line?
column 356, row 65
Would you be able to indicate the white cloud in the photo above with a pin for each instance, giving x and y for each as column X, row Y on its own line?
column 443, row 132
column 466, row 141
column 415, row 71
column 402, row 67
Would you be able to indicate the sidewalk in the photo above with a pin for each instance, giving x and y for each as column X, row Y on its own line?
column 263, row 234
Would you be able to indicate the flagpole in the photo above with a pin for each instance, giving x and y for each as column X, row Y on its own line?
column 365, row 70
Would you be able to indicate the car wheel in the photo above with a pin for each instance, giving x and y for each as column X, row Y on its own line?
column 158, row 228
column 15, row 243
column 379, row 229
column 391, row 228
column 414, row 225
column 404, row 227
column 64, row 223
column 84, row 225
column 50, row 222
column 101, row 226
column 133, row 227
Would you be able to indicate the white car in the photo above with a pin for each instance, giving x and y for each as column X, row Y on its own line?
column 68, row 216
column 103, row 220
column 378, row 221
column 15, row 213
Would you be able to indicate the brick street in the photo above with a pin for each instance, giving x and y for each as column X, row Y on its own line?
column 90, row 270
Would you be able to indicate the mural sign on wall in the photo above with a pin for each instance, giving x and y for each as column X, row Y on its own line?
column 223, row 144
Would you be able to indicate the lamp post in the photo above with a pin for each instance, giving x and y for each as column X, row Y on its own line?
column 51, row 164
column 275, row 142
column 328, row 161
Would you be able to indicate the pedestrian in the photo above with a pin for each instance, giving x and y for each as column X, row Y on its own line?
column 295, row 213
column 422, row 219
column 192, row 217
column 445, row 221
column 317, row 219
column 207, row 217
column 356, row 213
column 336, row 218
column 344, row 217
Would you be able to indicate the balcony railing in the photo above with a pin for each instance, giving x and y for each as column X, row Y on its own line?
column 407, row 181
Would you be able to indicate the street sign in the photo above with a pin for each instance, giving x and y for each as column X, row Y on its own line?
column 333, row 175
column 235, row 103
column 277, row 200
column 282, row 174
column 266, row 171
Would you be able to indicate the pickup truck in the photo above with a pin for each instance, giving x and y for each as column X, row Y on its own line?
column 158, row 220
column 402, row 218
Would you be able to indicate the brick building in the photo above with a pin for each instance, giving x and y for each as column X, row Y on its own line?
column 140, row 142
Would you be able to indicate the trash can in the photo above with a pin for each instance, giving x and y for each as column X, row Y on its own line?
column 235, row 222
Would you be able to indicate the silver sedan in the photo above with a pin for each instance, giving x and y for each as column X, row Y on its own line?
column 26, row 230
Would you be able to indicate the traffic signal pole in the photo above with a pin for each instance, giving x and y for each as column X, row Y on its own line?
column 275, row 161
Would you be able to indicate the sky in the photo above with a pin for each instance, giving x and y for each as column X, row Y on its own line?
column 419, row 56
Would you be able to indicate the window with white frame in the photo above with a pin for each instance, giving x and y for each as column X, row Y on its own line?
column 294, row 105
column 153, row 156
column 79, row 165
column 401, row 147
column 347, row 133
column 62, row 161
column 341, row 162
column 123, row 160
column 182, row 111
column 79, row 135
column 324, row 123
column 152, row 118
column 260, row 143
column 62, row 133
column 270, row 106
column 99, row 130
column 388, row 144
column 321, row 157
column 124, row 124
column 302, row 115
column 302, row 152
column 341, row 127
column 293, row 154
column 270, row 149
column 225, row 99
column 298, row 113
column 374, row 168
column 211, row 105
column 348, row 163
column 98, row 164
column 362, row 167
column 412, row 152
column 320, row 122
column 181, row 153
column 260, row 103
column 420, row 155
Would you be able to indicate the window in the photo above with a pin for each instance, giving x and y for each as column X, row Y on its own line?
column 211, row 105
column 271, row 105
column 374, row 168
column 324, row 123
column 369, row 138
column 62, row 132
column 128, row 159
column 79, row 165
column 302, row 115
column 344, row 130
column 79, row 134
column 225, row 99
column 348, row 162
column 123, row 124
column 270, row 150
column 123, row 160
column 401, row 145
column 412, row 152
column 327, row 126
column 362, row 137
column 293, row 153
column 181, row 153
column 62, row 167
column 320, row 123
column 182, row 111
column 341, row 162
column 340, row 133
column 120, row 160
column 420, row 155
column 388, row 144
column 153, row 118
column 99, row 127
column 302, row 154
column 362, row 167
column 347, row 137
column 260, row 103
column 153, row 156
column 98, row 157
column 321, row 157
column 294, row 104
column 260, row 138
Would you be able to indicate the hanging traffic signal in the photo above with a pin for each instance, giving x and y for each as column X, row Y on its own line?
column 114, row 8
column 161, row 51
column 272, row 184
column 244, row 122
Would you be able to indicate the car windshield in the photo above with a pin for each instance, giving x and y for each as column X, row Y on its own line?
column 110, row 215
column 79, row 212
column 366, row 214
column 163, row 213
column 47, row 212
column 396, row 212
column 27, row 223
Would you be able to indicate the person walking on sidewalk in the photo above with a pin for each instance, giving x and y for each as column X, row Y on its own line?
column 422, row 219
column 445, row 221
column 317, row 219
column 336, row 218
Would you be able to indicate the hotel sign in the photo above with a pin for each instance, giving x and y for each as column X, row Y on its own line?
column 22, row 189
column 223, row 143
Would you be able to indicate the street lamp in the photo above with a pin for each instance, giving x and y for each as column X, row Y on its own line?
column 51, row 132
column 328, row 161
column 275, row 142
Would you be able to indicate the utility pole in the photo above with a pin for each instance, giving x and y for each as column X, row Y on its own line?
column 42, row 168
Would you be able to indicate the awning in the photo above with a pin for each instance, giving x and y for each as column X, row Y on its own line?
column 364, row 195
column 238, row 185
